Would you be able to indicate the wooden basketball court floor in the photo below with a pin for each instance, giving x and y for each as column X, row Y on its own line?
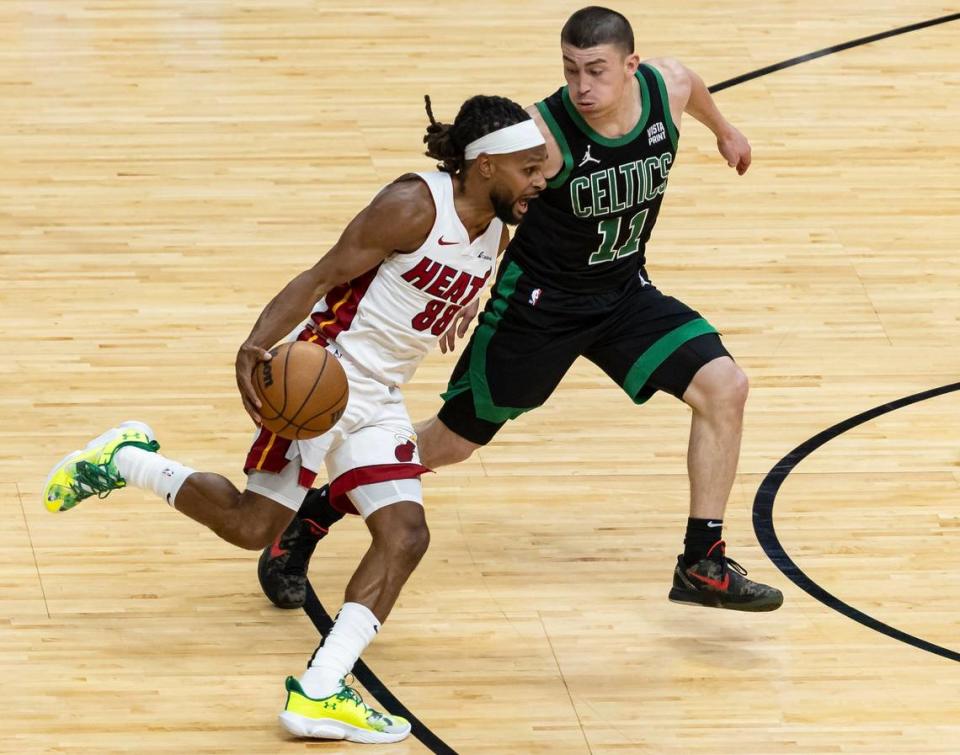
column 169, row 165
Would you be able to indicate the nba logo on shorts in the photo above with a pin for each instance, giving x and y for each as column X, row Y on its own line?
column 535, row 296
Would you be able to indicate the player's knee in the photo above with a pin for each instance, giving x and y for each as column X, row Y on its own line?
column 440, row 446
column 407, row 543
column 737, row 387
column 728, row 391
column 720, row 387
column 454, row 451
column 414, row 541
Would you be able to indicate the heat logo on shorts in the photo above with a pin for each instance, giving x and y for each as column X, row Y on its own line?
column 405, row 450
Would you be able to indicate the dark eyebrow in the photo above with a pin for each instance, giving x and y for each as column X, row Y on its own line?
column 596, row 61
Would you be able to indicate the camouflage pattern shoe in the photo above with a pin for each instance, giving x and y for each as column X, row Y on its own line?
column 282, row 569
column 720, row 582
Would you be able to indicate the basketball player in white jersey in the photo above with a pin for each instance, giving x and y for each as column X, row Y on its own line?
column 378, row 301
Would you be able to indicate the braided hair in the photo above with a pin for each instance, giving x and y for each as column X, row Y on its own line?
column 478, row 116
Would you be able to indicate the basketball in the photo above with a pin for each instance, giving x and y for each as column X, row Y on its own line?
column 303, row 390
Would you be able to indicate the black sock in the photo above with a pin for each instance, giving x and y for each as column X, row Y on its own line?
column 701, row 536
column 317, row 508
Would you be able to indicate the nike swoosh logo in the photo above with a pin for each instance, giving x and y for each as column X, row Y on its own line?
column 714, row 524
column 441, row 242
column 716, row 584
column 276, row 551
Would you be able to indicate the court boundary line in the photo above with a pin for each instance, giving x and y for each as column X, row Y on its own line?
column 365, row 675
column 371, row 682
column 767, row 536
column 790, row 62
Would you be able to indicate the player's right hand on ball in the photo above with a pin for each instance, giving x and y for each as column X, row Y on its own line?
column 247, row 359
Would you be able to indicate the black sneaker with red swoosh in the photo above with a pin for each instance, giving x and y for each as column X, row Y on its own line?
column 282, row 568
column 720, row 582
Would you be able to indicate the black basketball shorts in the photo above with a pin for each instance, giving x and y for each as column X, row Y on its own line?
column 529, row 335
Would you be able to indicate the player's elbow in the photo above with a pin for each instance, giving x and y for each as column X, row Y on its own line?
column 323, row 277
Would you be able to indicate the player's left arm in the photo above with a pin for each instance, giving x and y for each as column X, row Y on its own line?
column 689, row 94
column 461, row 321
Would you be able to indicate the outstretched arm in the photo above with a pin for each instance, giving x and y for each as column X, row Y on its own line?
column 688, row 94
column 398, row 219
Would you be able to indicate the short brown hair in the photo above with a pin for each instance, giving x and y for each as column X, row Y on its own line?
column 593, row 26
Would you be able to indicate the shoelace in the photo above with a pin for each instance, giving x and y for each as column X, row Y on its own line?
column 724, row 561
column 736, row 567
column 349, row 693
column 93, row 479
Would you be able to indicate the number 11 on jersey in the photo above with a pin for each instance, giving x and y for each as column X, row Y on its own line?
column 609, row 230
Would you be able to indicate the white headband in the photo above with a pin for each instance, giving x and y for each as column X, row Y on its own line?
column 523, row 135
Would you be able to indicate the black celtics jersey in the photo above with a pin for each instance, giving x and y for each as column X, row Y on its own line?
column 588, row 230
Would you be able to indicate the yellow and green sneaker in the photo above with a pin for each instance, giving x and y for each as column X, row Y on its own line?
column 343, row 715
column 91, row 471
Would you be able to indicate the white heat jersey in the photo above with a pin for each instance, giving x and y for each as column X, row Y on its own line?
column 387, row 319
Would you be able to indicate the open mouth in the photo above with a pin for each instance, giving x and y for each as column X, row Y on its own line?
column 523, row 204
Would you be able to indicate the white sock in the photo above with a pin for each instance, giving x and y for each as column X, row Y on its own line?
column 354, row 629
column 151, row 471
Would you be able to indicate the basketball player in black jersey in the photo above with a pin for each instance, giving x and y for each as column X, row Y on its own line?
column 573, row 282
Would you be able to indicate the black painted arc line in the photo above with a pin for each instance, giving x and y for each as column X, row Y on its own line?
column 767, row 536
column 321, row 619
column 323, row 623
column 829, row 51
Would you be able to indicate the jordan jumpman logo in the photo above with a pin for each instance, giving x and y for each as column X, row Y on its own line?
column 588, row 158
